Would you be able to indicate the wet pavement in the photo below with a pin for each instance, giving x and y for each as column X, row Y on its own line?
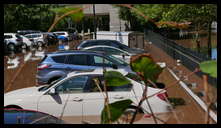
column 25, row 65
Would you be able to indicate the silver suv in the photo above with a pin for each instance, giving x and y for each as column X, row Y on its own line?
column 37, row 38
column 13, row 41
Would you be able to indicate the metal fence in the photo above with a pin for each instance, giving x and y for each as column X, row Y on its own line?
column 189, row 58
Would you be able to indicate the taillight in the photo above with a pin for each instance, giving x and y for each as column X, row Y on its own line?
column 43, row 66
column 162, row 96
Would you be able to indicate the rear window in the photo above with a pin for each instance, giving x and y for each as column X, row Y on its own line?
column 44, row 58
column 88, row 43
column 59, row 59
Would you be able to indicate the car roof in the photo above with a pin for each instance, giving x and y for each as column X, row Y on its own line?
column 107, row 46
column 10, row 33
column 73, row 52
column 34, row 34
column 25, row 115
column 93, row 40
column 97, row 71
column 60, row 31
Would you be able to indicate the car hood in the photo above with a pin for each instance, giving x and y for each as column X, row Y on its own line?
column 25, row 92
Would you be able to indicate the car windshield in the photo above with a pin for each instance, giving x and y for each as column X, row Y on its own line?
column 48, row 86
column 117, row 60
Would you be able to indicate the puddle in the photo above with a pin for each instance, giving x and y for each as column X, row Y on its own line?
column 34, row 54
column 162, row 64
column 14, row 62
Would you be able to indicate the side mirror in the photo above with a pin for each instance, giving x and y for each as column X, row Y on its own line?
column 114, row 66
column 52, row 91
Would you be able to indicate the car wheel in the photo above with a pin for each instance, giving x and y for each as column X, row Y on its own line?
column 40, row 44
column 128, row 115
column 11, row 47
column 24, row 46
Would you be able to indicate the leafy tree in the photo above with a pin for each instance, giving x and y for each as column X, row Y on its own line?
column 175, row 15
column 27, row 16
column 74, row 18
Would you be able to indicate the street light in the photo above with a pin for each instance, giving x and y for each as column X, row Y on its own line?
column 95, row 33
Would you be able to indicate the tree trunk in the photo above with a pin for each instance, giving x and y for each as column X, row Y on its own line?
column 197, row 39
column 209, row 39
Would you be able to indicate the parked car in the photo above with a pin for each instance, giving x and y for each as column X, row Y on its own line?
column 26, row 42
column 24, row 32
column 37, row 38
column 113, row 43
column 51, row 38
column 14, row 41
column 5, row 47
column 23, row 116
column 78, row 97
column 57, row 64
column 116, row 52
column 65, row 34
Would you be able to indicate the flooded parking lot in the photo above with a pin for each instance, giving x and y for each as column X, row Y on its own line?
column 20, row 72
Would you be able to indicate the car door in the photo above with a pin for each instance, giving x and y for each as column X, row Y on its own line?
column 67, row 102
column 76, row 88
column 93, row 103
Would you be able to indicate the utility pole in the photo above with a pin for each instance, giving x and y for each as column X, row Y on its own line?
column 95, row 31
column 120, row 25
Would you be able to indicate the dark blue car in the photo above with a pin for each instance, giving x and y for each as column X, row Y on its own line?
column 58, row 64
column 22, row 116
column 113, row 43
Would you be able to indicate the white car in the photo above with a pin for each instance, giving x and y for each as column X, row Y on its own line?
column 26, row 41
column 36, row 38
column 116, row 52
column 76, row 97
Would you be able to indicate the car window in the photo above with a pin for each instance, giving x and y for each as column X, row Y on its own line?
column 73, row 85
column 7, row 36
column 88, row 43
column 77, row 59
column 98, row 61
column 113, row 51
column 18, row 36
column 96, row 49
column 134, row 77
column 99, row 80
column 59, row 59
column 95, row 84
column 28, row 36
column 116, row 60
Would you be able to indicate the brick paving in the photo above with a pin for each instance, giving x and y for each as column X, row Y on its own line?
column 191, row 113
